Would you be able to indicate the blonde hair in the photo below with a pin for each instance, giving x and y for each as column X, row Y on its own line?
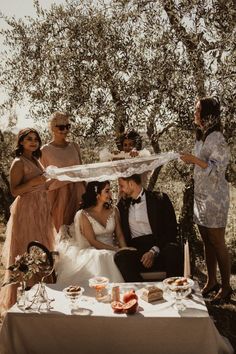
column 57, row 116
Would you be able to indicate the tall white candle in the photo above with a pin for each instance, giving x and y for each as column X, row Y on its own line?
column 187, row 269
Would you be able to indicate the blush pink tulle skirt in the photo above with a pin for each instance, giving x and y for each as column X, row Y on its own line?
column 30, row 220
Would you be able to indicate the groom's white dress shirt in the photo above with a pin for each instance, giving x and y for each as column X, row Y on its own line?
column 138, row 220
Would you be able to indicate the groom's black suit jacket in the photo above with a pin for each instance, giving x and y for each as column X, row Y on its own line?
column 161, row 217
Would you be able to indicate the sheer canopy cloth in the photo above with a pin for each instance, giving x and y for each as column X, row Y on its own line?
column 110, row 170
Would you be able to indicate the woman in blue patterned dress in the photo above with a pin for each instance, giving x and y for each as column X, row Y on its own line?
column 211, row 194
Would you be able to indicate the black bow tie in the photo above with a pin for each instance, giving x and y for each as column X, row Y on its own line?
column 136, row 201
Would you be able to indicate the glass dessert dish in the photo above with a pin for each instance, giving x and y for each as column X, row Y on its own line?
column 73, row 293
column 177, row 288
column 100, row 285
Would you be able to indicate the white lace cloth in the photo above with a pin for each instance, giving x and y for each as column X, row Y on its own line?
column 111, row 170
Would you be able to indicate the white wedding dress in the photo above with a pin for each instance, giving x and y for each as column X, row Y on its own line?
column 78, row 261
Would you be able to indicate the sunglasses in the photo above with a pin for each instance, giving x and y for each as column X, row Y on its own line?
column 63, row 126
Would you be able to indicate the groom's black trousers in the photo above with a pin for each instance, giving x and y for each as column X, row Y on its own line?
column 130, row 265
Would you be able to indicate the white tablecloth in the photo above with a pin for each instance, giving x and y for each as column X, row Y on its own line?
column 156, row 328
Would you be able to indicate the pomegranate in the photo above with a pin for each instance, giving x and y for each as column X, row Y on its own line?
column 129, row 296
column 131, row 306
column 117, row 306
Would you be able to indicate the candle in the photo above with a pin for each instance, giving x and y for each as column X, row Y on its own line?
column 187, row 270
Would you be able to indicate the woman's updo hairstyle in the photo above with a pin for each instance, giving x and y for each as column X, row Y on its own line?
column 89, row 198
column 20, row 137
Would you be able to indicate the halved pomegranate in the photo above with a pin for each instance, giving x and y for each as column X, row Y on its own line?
column 130, row 295
column 131, row 306
column 117, row 306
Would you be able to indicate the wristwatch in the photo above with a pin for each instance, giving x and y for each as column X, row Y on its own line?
column 155, row 250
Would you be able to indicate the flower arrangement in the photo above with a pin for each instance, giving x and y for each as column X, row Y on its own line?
column 28, row 265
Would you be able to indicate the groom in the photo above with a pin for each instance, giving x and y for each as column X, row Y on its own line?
column 149, row 224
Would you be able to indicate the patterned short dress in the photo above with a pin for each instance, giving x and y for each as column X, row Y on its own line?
column 211, row 190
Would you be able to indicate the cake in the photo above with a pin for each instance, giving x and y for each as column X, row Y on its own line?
column 152, row 293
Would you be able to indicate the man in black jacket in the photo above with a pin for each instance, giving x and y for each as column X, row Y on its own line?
column 149, row 225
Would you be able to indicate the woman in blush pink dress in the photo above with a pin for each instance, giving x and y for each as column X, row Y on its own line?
column 30, row 218
column 65, row 197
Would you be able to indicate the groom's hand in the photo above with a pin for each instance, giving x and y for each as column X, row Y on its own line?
column 147, row 259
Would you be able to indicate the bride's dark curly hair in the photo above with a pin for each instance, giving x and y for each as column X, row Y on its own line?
column 89, row 198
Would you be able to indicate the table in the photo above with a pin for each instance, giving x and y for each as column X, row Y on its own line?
column 156, row 328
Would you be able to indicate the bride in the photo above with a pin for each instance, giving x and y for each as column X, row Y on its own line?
column 97, row 236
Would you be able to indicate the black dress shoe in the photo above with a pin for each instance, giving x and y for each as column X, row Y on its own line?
column 216, row 287
column 220, row 300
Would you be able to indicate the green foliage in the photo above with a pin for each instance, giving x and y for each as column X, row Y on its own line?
column 136, row 63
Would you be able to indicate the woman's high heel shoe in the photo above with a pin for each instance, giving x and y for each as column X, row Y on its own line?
column 216, row 287
column 220, row 300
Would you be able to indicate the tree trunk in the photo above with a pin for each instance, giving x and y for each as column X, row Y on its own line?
column 191, row 43
column 5, row 197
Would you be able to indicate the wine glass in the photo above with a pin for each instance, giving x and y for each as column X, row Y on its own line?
column 21, row 296
column 99, row 284
column 73, row 293
column 177, row 288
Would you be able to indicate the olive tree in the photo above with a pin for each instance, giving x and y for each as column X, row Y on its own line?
column 127, row 63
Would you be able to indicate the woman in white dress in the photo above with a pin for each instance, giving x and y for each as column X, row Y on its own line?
column 97, row 236
column 211, row 194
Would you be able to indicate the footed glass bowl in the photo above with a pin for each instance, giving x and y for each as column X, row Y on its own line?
column 177, row 288
column 73, row 293
column 99, row 284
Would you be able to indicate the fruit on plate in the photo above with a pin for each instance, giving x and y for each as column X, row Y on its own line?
column 131, row 306
column 129, row 295
column 117, row 306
